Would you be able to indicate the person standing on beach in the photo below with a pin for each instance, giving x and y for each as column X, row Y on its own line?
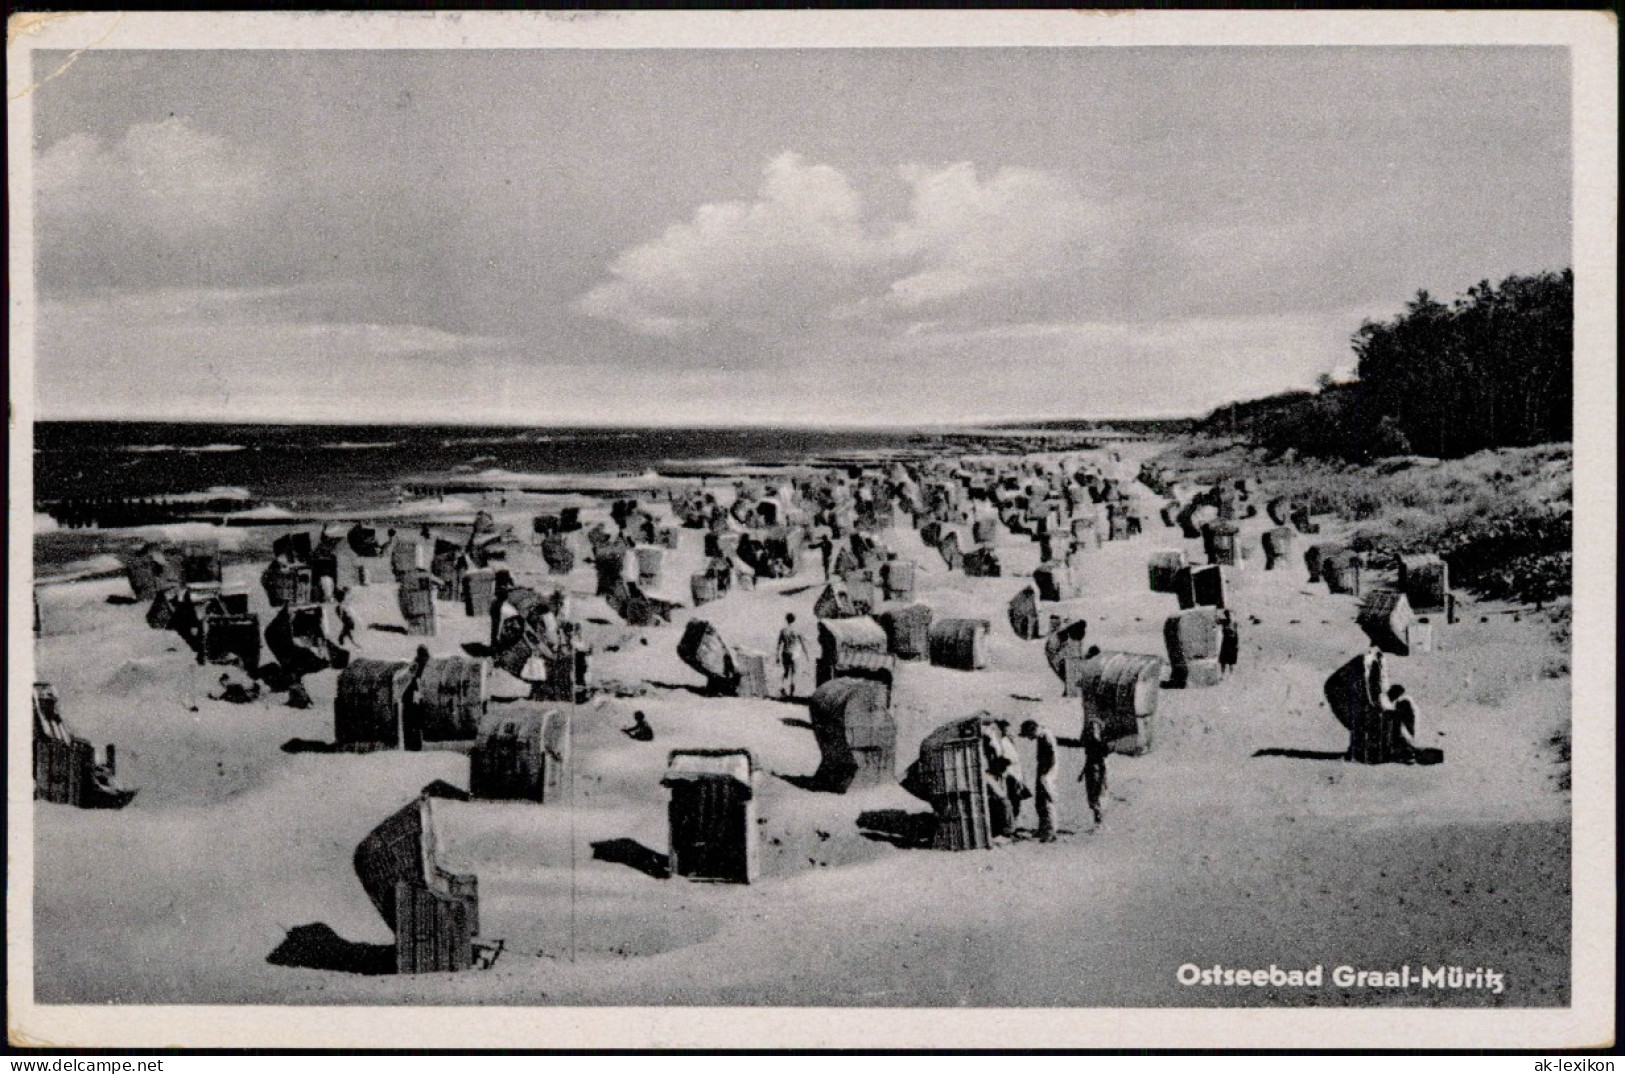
column 1045, row 799
column 1229, row 644
column 1000, row 818
column 1366, row 738
column 412, row 702
column 425, row 549
column 1093, row 776
column 346, row 620
column 826, row 551
column 791, row 646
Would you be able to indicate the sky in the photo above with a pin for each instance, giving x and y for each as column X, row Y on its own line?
column 863, row 236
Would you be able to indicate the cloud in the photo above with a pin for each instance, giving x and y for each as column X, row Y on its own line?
column 163, row 204
column 806, row 252
column 159, row 178
column 171, row 204
column 1020, row 228
column 800, row 247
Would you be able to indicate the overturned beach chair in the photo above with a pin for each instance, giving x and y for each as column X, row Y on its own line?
column 728, row 672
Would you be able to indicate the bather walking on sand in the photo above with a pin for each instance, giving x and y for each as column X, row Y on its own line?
column 1093, row 776
column 791, row 643
column 347, row 622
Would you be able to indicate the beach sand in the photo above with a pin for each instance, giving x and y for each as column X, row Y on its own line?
column 1209, row 854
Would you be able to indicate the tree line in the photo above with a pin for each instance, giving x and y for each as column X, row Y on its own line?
column 1495, row 368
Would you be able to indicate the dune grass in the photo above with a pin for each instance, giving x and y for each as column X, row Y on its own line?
column 1502, row 519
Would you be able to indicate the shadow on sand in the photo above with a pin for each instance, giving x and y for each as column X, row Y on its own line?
column 632, row 853
column 1423, row 756
column 900, row 828
column 818, row 783
column 318, row 947
column 1301, row 755
column 311, row 745
column 697, row 691
column 122, row 599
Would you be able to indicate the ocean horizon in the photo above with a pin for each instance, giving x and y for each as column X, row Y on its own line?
column 327, row 464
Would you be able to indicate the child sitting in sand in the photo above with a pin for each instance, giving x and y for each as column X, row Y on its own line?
column 235, row 687
column 640, row 731
column 1400, row 730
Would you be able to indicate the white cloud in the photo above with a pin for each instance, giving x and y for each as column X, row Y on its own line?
column 1020, row 227
column 742, row 261
column 805, row 253
column 165, row 178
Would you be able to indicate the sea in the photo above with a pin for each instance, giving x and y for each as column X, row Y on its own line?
column 319, row 466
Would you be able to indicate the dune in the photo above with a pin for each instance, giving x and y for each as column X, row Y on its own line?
column 137, row 677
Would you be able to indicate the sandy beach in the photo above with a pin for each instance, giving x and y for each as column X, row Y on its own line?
column 1240, row 839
